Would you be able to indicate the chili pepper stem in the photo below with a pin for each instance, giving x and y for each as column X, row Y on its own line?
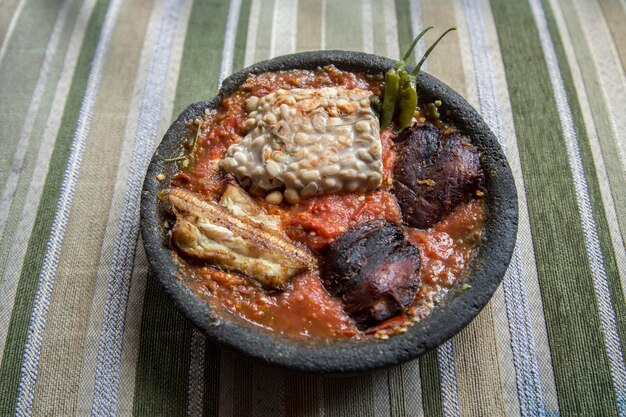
column 415, row 41
column 429, row 50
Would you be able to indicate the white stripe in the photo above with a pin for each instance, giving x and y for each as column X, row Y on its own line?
column 228, row 51
column 596, row 149
column 412, row 388
column 594, row 252
column 253, row 27
column 522, row 339
column 19, row 243
column 449, row 387
column 608, row 68
column 284, row 29
column 85, row 398
column 366, row 26
column 7, row 37
column 31, row 114
column 26, row 390
column 195, row 393
column 391, row 29
column 111, row 337
column 417, row 25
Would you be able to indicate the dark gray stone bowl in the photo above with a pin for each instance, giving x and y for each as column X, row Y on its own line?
column 341, row 357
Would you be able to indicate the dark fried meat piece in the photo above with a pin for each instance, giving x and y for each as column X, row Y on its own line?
column 433, row 175
column 374, row 271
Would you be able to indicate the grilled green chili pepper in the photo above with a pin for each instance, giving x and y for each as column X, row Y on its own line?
column 400, row 94
column 392, row 84
column 407, row 102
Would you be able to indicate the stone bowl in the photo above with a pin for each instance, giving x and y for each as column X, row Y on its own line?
column 484, row 274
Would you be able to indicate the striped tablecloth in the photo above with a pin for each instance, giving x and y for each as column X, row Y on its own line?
column 87, row 89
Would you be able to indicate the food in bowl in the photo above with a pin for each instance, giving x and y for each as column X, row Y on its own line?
column 295, row 212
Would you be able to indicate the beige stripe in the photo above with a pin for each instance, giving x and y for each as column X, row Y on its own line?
column 13, row 10
column 368, row 23
column 253, row 30
column 391, row 29
column 105, row 253
column 309, row 25
column 377, row 26
column 7, row 11
column 616, row 18
column 608, row 67
column 26, row 217
column 445, row 62
column 475, row 353
column 598, row 159
column 66, row 332
column 525, row 243
column 323, row 26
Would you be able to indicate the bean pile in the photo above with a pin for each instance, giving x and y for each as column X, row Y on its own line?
column 308, row 142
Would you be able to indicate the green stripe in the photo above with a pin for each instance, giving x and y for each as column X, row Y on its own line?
column 348, row 396
column 202, row 56
column 242, row 34
column 600, row 112
column 344, row 24
column 581, row 368
column 431, row 384
column 162, row 372
column 19, row 71
column 593, row 183
column 403, row 16
column 27, row 286
column 396, row 387
column 163, row 366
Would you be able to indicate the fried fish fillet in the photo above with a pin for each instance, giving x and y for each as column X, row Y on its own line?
column 208, row 230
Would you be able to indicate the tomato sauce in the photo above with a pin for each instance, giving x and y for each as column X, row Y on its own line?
column 305, row 309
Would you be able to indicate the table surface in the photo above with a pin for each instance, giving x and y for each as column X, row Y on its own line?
column 87, row 89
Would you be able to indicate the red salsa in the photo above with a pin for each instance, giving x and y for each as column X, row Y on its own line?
column 305, row 309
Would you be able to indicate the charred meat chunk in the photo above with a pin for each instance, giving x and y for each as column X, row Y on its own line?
column 373, row 270
column 434, row 174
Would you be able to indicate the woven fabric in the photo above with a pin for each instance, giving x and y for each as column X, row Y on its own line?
column 88, row 88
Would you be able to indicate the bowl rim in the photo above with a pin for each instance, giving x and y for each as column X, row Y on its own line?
column 344, row 357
